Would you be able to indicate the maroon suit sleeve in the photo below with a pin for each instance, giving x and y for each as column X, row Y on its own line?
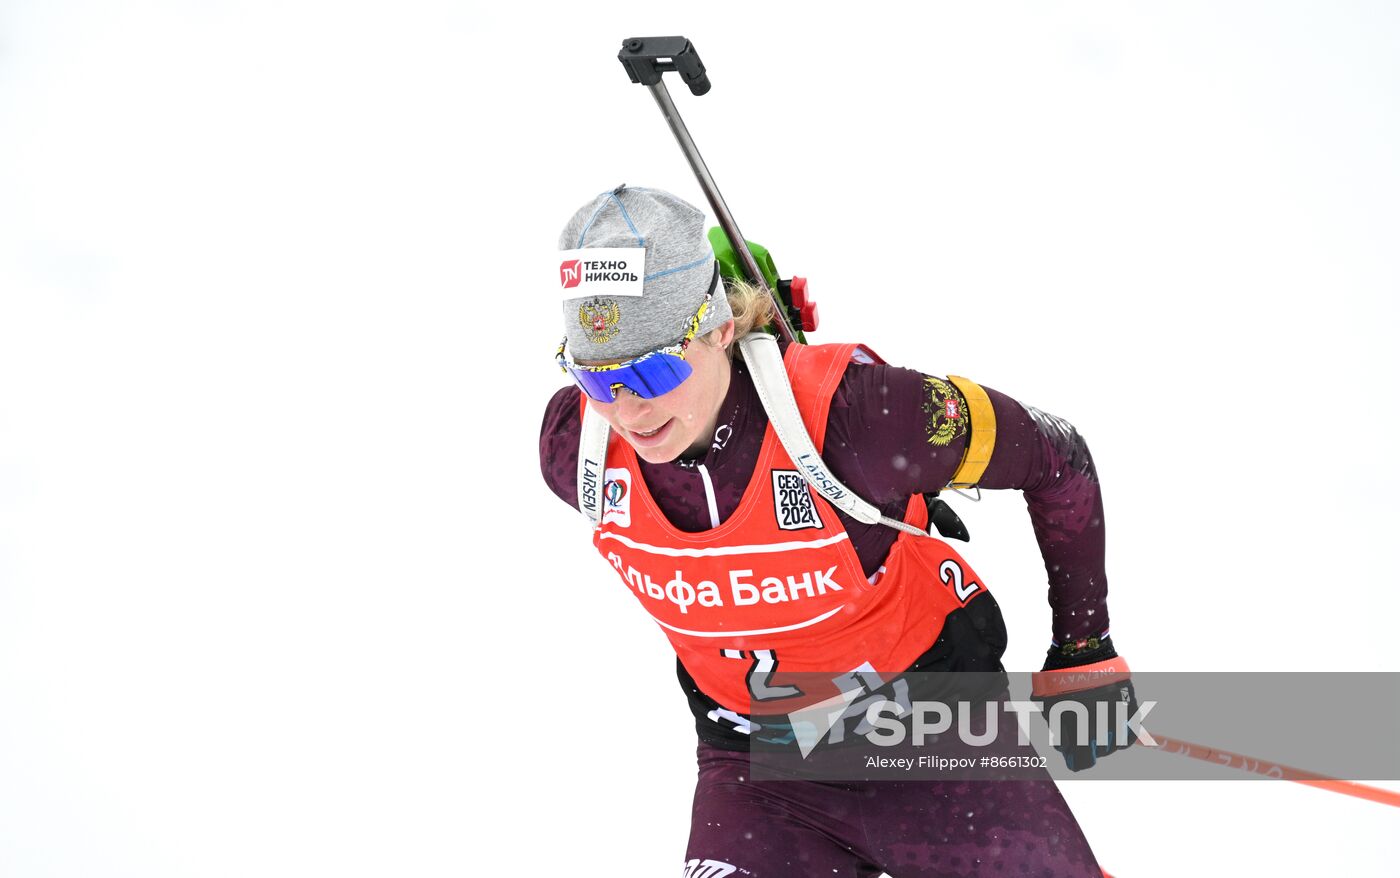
column 898, row 420
column 1047, row 459
column 559, row 438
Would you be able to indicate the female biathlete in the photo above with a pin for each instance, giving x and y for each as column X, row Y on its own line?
column 706, row 519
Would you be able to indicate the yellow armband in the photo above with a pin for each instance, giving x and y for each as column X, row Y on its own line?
column 983, row 435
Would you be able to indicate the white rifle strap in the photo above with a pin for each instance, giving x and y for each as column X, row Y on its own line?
column 770, row 378
column 592, row 454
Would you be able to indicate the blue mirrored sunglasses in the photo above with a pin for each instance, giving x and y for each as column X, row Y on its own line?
column 648, row 376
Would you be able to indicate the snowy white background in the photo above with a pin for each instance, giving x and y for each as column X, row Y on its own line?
column 281, row 590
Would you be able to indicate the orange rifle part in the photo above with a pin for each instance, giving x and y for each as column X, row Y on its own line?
column 1275, row 770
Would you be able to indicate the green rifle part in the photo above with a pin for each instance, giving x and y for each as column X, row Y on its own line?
column 730, row 269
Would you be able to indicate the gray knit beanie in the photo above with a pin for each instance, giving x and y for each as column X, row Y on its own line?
column 640, row 291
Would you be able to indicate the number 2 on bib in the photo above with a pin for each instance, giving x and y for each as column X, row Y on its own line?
column 951, row 573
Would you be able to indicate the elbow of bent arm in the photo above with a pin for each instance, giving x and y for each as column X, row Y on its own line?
column 1069, row 452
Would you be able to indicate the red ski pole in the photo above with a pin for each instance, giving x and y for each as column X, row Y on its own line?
column 1275, row 770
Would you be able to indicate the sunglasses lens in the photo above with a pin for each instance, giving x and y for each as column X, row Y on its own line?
column 648, row 378
column 659, row 375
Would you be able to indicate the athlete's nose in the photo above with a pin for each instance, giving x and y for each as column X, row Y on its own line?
column 630, row 406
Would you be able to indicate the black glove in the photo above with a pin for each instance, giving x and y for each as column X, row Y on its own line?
column 1089, row 672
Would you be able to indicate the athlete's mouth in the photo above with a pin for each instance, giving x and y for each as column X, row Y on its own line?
column 652, row 436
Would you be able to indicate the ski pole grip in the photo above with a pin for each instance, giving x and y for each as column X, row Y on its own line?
column 646, row 58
